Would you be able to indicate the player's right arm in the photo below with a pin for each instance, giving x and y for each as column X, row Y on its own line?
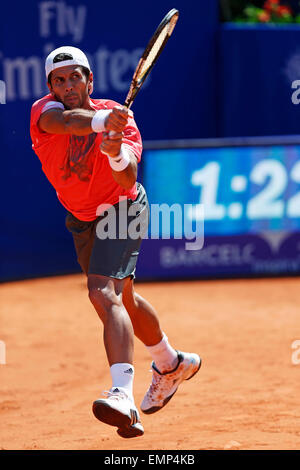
column 79, row 121
column 76, row 121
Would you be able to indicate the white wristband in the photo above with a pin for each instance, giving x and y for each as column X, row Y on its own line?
column 120, row 162
column 98, row 120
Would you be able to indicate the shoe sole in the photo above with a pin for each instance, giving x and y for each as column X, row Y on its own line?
column 104, row 413
column 130, row 431
column 154, row 409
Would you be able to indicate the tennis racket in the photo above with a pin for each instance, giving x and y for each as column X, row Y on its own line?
column 151, row 54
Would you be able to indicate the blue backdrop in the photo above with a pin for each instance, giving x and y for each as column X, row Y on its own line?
column 33, row 240
column 257, row 67
column 211, row 81
column 238, row 201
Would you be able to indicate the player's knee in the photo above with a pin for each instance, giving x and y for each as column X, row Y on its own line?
column 103, row 296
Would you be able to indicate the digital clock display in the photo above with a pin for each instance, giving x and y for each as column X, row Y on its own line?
column 241, row 189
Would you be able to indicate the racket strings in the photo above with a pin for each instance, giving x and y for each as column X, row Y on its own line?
column 151, row 53
column 154, row 51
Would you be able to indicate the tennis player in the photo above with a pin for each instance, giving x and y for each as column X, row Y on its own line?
column 93, row 169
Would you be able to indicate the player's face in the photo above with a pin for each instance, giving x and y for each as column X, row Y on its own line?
column 70, row 86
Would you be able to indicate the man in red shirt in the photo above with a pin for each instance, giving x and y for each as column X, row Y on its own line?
column 90, row 150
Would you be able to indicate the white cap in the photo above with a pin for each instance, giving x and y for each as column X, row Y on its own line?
column 74, row 56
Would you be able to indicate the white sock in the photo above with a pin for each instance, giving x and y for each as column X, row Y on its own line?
column 164, row 356
column 122, row 375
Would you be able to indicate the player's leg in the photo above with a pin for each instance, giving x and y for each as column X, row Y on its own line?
column 106, row 296
column 107, row 263
column 118, row 408
column 147, row 328
column 143, row 316
column 170, row 367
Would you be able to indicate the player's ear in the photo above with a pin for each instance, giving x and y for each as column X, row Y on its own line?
column 50, row 88
column 91, row 83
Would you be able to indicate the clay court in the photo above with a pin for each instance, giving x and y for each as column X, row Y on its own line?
column 246, row 395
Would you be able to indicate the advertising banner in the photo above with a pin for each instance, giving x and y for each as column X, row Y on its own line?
column 33, row 238
column 259, row 89
column 224, row 210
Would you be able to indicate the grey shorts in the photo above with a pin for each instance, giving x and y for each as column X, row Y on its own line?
column 110, row 244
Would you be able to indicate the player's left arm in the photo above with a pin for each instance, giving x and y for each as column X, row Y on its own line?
column 114, row 146
column 123, row 145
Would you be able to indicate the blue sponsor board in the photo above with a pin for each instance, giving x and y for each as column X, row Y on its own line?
column 33, row 239
column 225, row 256
column 113, row 35
column 259, row 69
column 247, row 197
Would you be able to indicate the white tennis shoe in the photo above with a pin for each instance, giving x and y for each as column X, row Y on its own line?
column 164, row 386
column 117, row 409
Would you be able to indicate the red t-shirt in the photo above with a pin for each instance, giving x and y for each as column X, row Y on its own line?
column 75, row 166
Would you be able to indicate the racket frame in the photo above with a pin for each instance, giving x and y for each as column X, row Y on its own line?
column 136, row 84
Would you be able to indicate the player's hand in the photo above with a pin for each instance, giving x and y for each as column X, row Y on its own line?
column 117, row 119
column 111, row 144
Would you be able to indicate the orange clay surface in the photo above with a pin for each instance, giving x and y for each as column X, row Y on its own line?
column 246, row 395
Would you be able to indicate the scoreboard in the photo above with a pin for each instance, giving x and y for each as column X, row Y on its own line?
column 244, row 196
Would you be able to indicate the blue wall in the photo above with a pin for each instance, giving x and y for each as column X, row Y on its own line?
column 257, row 66
column 177, row 102
column 211, row 81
